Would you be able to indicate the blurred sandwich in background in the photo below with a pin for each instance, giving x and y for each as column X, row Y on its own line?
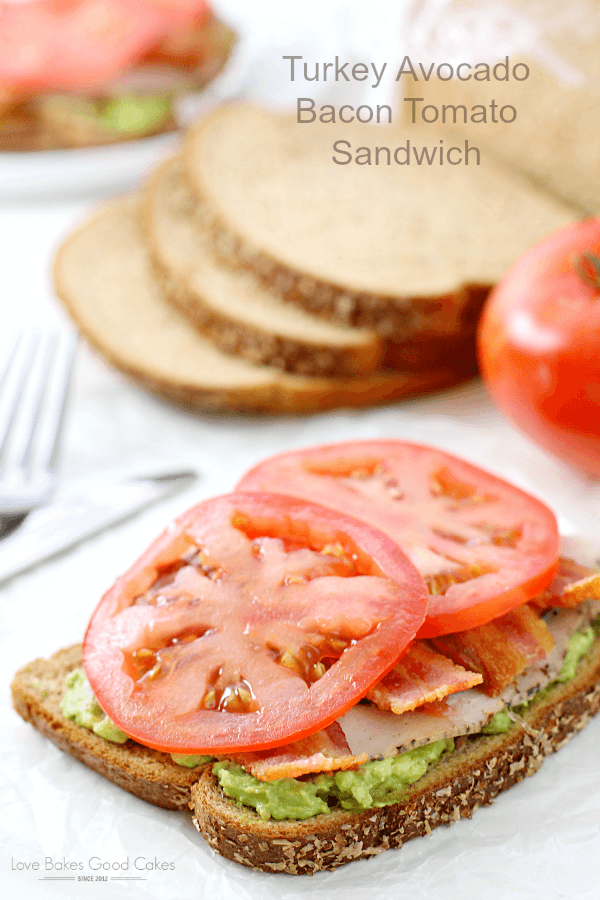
column 82, row 73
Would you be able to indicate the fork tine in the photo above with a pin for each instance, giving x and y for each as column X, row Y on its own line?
column 55, row 401
column 14, row 380
column 28, row 418
column 25, row 419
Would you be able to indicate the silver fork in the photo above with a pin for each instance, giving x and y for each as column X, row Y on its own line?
column 33, row 390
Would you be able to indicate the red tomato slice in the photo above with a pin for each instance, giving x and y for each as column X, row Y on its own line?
column 482, row 546
column 57, row 44
column 253, row 621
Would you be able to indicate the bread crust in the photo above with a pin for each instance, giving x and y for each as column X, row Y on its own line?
column 428, row 351
column 392, row 318
column 166, row 192
column 253, row 344
column 37, row 692
column 280, row 392
column 395, row 312
column 261, row 347
column 477, row 771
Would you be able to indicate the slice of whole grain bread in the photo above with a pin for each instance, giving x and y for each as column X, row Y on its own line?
column 403, row 249
column 37, row 692
column 480, row 768
column 229, row 307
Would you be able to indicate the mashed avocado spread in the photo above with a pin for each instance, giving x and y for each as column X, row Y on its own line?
column 135, row 115
column 127, row 115
column 579, row 644
column 80, row 705
column 374, row 784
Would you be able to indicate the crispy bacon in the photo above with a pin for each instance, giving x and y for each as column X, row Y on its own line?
column 325, row 751
column 500, row 650
column 421, row 676
column 491, row 655
column 571, row 585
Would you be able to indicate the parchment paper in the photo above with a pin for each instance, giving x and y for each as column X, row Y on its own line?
column 540, row 839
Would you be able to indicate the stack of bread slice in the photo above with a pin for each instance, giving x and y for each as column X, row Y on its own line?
column 252, row 273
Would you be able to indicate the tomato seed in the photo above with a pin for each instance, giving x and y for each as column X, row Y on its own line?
column 293, row 579
column 210, row 699
column 290, row 662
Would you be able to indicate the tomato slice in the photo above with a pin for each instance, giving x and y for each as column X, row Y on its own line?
column 482, row 545
column 58, row 44
column 253, row 621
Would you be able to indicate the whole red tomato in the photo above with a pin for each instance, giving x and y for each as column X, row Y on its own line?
column 539, row 344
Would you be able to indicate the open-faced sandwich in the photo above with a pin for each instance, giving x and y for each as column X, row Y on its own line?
column 81, row 73
column 364, row 641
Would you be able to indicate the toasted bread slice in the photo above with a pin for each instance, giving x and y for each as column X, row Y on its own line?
column 404, row 249
column 104, row 276
column 480, row 768
column 38, row 690
column 230, row 308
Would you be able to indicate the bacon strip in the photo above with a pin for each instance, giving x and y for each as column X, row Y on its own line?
column 325, row 751
column 421, row 676
column 571, row 585
column 492, row 655
column 500, row 650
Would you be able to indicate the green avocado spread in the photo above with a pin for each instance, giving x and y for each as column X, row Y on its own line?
column 374, row 784
column 80, row 705
column 190, row 761
column 135, row 115
column 127, row 114
column 579, row 644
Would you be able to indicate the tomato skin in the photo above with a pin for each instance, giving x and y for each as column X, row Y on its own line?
column 235, row 610
column 539, row 347
column 416, row 519
column 80, row 44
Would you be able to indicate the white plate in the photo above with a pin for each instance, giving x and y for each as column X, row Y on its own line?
column 91, row 170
